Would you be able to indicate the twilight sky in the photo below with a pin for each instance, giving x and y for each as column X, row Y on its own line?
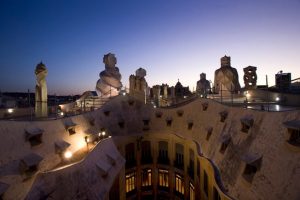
column 171, row 39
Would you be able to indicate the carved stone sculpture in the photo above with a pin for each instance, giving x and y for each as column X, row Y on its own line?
column 165, row 90
column 138, row 86
column 203, row 85
column 41, row 96
column 109, row 83
column 250, row 77
column 226, row 78
column 156, row 94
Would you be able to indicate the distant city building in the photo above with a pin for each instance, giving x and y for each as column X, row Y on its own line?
column 283, row 81
column 7, row 101
column 181, row 91
column 164, row 95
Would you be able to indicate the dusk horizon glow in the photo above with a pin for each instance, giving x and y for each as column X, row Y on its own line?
column 170, row 39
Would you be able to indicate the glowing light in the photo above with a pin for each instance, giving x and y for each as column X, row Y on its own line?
column 248, row 94
column 184, row 97
column 99, row 134
column 277, row 99
column 68, row 154
column 80, row 144
column 103, row 133
column 277, row 107
column 10, row 110
column 62, row 113
column 154, row 106
column 109, row 136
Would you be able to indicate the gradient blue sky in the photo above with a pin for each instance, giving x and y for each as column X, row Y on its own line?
column 171, row 39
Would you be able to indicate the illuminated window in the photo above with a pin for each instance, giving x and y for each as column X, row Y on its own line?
column 179, row 185
column 130, row 182
column 146, row 177
column 192, row 191
column 163, row 178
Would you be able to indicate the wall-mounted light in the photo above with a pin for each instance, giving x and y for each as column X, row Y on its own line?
column 10, row 110
column 277, row 99
column 87, row 139
column 248, row 95
column 68, row 154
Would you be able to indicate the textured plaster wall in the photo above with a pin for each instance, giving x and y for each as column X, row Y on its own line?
column 277, row 178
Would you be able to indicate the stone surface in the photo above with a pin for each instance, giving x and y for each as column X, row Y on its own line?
column 41, row 96
column 203, row 85
column 138, row 86
column 140, row 72
column 109, row 83
column 277, row 178
column 226, row 78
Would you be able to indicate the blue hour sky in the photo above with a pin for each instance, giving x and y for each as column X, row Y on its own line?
column 171, row 39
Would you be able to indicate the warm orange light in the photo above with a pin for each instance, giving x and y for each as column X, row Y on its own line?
column 68, row 154
column 10, row 110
